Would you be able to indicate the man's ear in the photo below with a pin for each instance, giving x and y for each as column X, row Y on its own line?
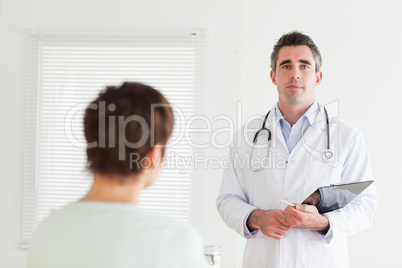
column 318, row 76
column 273, row 77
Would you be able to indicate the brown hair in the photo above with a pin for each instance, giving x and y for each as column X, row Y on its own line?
column 296, row 38
column 123, row 122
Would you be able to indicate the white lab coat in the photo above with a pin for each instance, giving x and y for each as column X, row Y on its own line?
column 294, row 177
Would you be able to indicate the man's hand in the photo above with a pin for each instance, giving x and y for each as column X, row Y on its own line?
column 306, row 216
column 272, row 223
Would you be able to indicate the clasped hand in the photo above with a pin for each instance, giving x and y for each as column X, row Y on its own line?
column 307, row 217
column 275, row 223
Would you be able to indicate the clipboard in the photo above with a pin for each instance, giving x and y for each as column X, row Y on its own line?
column 336, row 196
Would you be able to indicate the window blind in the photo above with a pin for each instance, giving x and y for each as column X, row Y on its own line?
column 65, row 71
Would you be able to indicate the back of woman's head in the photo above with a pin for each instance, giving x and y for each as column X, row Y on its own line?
column 122, row 125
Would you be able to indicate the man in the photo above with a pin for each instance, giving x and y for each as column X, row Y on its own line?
column 106, row 228
column 249, row 201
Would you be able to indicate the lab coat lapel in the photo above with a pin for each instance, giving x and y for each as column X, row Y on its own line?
column 315, row 137
column 318, row 128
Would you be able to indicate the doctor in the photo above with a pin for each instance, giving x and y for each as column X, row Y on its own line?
column 299, row 149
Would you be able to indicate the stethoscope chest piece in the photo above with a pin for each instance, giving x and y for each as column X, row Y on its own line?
column 328, row 156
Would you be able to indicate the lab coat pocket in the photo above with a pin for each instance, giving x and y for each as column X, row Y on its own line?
column 321, row 254
column 320, row 174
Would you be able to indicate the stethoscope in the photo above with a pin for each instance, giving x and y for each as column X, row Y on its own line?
column 327, row 156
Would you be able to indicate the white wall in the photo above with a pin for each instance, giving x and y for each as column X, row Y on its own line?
column 361, row 43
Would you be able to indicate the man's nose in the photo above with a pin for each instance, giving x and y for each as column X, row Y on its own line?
column 295, row 75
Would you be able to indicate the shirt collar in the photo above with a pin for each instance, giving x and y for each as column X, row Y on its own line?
column 310, row 114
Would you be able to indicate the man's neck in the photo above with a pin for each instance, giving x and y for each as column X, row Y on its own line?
column 115, row 189
column 292, row 113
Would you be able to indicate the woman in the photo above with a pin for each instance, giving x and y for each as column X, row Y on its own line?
column 106, row 228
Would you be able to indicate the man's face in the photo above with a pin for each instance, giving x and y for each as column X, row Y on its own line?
column 295, row 76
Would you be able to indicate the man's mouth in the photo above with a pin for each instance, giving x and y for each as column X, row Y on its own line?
column 294, row 86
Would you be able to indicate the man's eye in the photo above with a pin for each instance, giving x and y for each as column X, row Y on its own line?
column 304, row 66
column 285, row 67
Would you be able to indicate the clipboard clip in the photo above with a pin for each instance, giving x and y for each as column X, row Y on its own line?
column 344, row 183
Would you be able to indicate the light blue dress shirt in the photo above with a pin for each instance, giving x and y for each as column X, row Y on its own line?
column 293, row 134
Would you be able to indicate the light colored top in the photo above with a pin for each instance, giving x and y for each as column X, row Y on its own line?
column 293, row 177
column 292, row 134
column 108, row 234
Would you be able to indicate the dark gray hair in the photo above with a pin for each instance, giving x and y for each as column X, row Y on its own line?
column 296, row 38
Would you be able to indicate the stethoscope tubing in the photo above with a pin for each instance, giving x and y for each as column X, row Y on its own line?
column 327, row 156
